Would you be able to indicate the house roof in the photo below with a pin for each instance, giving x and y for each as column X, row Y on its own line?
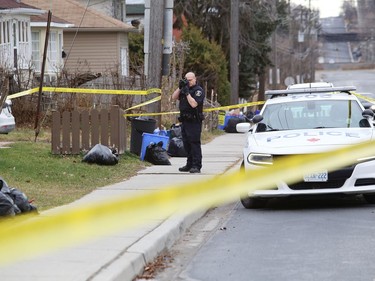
column 77, row 14
column 13, row 4
column 14, row 7
column 55, row 21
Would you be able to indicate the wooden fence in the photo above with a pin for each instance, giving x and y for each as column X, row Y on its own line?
column 74, row 132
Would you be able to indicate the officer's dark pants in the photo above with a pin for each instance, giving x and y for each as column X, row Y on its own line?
column 191, row 137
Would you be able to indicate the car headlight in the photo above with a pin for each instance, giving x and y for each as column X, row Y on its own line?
column 364, row 159
column 260, row 159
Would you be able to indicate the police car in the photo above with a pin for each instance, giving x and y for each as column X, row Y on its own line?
column 7, row 122
column 308, row 119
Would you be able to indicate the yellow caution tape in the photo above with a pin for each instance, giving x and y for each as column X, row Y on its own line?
column 364, row 97
column 125, row 92
column 20, row 238
column 144, row 103
column 150, row 114
column 86, row 91
column 101, row 91
column 23, row 93
column 227, row 107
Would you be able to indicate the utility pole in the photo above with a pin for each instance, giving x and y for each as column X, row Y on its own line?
column 311, row 45
column 37, row 116
column 291, row 42
column 234, row 52
column 167, row 36
column 274, row 49
column 153, row 47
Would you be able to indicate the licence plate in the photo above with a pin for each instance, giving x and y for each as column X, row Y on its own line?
column 318, row 176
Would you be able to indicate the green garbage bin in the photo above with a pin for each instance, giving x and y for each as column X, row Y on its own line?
column 139, row 126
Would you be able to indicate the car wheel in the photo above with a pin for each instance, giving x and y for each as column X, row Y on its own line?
column 253, row 203
column 370, row 198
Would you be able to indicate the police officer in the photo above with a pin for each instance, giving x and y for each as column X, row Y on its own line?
column 191, row 97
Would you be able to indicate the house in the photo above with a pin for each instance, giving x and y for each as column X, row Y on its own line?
column 15, row 34
column 129, row 11
column 22, row 36
column 112, row 8
column 54, row 58
column 95, row 42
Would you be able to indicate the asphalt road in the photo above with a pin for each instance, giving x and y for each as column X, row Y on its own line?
column 325, row 240
column 331, row 239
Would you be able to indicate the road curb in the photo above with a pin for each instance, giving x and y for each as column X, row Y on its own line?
column 132, row 261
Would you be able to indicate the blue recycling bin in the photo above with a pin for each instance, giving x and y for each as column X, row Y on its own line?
column 138, row 127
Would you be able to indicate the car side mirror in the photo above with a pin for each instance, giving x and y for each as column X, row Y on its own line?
column 368, row 113
column 256, row 119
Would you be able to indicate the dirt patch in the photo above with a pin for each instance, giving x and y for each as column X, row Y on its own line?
column 160, row 263
column 5, row 144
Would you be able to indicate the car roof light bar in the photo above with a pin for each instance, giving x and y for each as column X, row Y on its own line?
column 311, row 90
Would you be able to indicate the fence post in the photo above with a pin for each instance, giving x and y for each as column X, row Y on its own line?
column 66, row 132
column 85, row 130
column 76, row 132
column 94, row 127
column 104, row 123
column 55, row 137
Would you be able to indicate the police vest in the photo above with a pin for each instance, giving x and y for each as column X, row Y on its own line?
column 198, row 94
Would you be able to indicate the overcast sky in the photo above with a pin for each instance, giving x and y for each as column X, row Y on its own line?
column 328, row 8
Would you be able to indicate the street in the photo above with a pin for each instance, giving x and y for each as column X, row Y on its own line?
column 309, row 239
column 315, row 239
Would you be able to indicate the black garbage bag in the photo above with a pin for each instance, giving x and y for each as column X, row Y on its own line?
column 175, row 131
column 102, row 155
column 156, row 154
column 21, row 200
column 21, row 203
column 176, row 148
column 7, row 206
column 231, row 124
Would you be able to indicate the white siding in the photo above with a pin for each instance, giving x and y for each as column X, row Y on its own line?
column 15, row 39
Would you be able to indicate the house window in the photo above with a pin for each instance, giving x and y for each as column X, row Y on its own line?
column 8, row 32
column 20, row 35
column 52, row 51
column 22, row 32
column 35, row 47
column 124, row 61
column 8, row 43
column 5, row 30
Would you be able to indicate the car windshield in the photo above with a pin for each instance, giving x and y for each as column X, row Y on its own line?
column 312, row 114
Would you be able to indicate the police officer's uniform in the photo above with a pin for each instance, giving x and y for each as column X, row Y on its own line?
column 191, row 125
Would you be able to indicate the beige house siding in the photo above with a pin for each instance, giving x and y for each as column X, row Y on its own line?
column 99, row 51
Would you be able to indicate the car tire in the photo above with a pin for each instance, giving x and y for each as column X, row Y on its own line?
column 253, row 203
column 369, row 197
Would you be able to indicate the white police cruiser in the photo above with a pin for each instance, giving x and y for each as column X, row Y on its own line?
column 305, row 119
column 7, row 121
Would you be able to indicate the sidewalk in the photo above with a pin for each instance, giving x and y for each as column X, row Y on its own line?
column 122, row 256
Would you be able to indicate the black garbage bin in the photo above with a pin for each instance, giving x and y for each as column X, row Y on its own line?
column 138, row 127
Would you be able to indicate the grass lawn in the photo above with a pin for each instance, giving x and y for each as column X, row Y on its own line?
column 54, row 180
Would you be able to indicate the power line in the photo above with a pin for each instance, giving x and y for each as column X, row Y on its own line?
column 76, row 33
